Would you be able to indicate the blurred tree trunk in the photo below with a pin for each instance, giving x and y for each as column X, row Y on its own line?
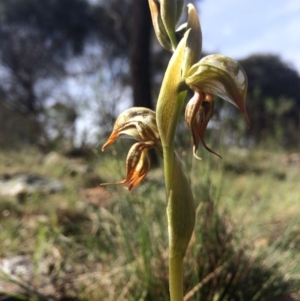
column 140, row 35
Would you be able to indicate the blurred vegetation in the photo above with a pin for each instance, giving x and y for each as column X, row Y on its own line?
column 273, row 100
column 37, row 45
column 90, row 243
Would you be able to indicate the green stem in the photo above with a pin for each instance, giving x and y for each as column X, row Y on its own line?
column 168, row 152
column 175, row 260
column 176, row 278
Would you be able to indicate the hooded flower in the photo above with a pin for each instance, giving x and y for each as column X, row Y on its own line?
column 139, row 124
column 213, row 75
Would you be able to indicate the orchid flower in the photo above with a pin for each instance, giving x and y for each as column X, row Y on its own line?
column 139, row 124
column 213, row 75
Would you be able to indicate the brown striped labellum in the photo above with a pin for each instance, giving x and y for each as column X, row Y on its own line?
column 198, row 112
column 137, row 165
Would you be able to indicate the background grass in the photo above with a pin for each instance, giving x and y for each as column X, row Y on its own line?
column 245, row 245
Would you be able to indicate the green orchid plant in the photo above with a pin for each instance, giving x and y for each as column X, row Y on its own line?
column 213, row 75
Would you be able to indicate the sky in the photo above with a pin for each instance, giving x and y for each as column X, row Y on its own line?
column 240, row 28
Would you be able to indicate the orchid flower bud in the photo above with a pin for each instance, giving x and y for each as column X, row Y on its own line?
column 158, row 25
column 169, row 18
column 194, row 41
column 220, row 75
